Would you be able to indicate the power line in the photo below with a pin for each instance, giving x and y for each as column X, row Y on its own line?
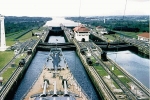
column 79, row 8
column 79, row 11
column 122, row 25
column 125, row 9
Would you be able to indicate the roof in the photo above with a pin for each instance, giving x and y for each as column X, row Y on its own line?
column 81, row 28
column 146, row 35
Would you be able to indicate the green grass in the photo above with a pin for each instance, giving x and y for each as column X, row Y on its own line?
column 9, row 42
column 9, row 35
column 110, row 37
column 35, row 31
column 14, row 35
column 93, row 59
column 101, row 71
column 10, row 38
column 5, row 57
column 130, row 34
column 117, row 72
column 26, row 37
column 123, row 79
column 42, row 28
column 29, row 36
column 6, row 75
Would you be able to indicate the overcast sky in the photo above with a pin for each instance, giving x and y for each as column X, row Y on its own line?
column 50, row 8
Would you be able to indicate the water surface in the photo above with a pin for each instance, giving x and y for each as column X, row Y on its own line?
column 137, row 66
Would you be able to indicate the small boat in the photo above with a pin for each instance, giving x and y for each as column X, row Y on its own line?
column 56, row 81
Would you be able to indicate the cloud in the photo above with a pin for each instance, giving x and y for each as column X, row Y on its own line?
column 140, row 0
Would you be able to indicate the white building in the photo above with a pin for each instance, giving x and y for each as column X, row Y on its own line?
column 81, row 33
column 101, row 30
column 144, row 37
column 2, row 34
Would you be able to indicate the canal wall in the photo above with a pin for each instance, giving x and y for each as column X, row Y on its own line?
column 45, row 37
column 7, row 92
column 66, row 39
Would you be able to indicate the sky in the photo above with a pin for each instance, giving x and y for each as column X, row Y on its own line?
column 52, row 8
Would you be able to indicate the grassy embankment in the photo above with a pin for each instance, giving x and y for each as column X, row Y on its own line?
column 5, row 57
column 102, row 72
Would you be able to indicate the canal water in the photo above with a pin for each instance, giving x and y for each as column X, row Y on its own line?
column 56, row 39
column 31, row 74
column 137, row 66
column 80, row 74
